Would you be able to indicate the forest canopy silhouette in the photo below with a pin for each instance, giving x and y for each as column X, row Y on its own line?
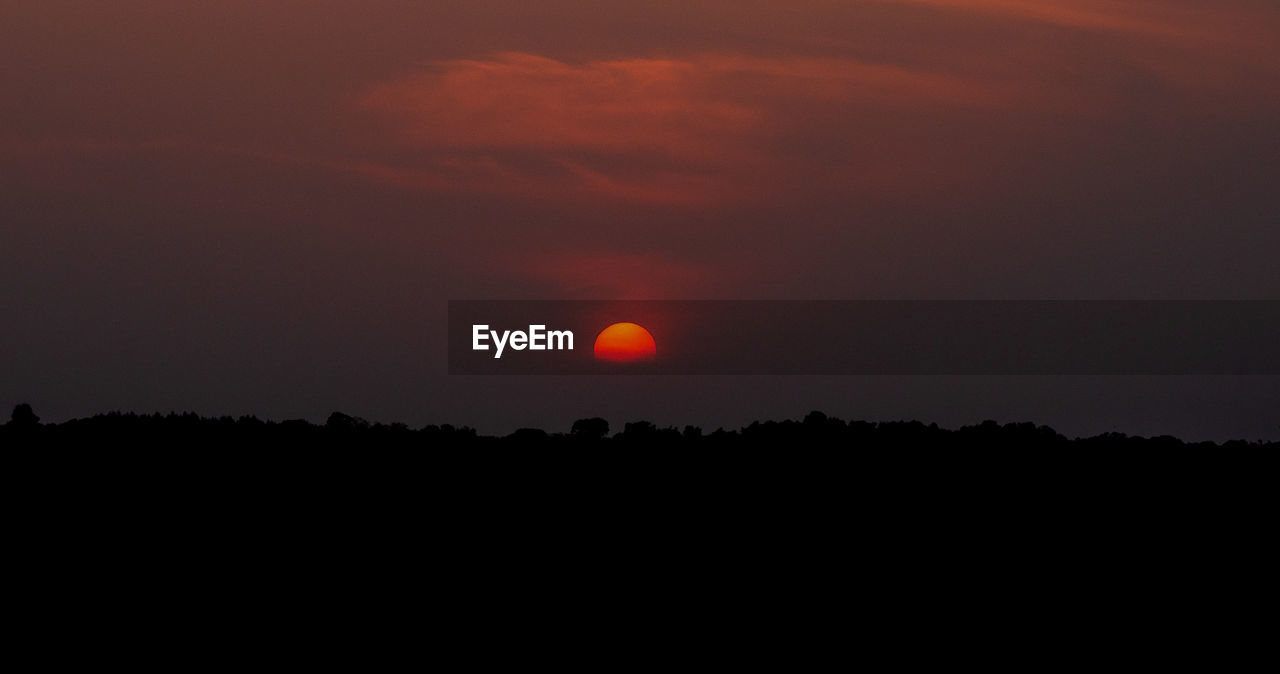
column 815, row 430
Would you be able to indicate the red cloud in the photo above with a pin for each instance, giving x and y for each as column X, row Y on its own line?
column 675, row 131
column 525, row 101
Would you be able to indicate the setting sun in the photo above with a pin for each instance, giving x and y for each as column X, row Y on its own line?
column 625, row 343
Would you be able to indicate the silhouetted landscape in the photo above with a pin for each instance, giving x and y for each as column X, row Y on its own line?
column 817, row 429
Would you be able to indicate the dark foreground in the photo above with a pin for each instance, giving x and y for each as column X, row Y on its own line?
column 341, row 430
column 914, row 496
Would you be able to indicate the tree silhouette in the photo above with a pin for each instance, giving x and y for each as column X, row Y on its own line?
column 593, row 428
column 345, row 422
column 816, row 433
column 23, row 417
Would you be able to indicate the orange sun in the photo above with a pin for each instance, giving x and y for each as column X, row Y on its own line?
column 624, row 343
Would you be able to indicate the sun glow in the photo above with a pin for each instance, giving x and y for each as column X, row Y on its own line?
column 625, row 343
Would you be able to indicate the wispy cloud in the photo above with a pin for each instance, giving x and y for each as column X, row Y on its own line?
column 1103, row 15
column 648, row 130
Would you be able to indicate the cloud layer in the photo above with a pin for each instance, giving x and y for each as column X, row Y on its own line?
column 692, row 131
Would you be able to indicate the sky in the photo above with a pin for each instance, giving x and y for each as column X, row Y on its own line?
column 263, row 207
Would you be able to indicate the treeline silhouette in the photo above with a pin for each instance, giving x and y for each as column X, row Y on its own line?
column 815, row 430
